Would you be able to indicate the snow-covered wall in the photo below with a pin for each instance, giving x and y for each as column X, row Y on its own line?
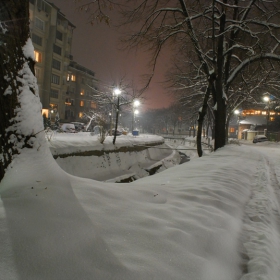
column 130, row 159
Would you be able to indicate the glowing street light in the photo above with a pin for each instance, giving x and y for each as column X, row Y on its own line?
column 136, row 103
column 266, row 98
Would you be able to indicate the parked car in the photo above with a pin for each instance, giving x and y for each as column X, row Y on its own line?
column 117, row 134
column 68, row 127
column 79, row 126
column 259, row 138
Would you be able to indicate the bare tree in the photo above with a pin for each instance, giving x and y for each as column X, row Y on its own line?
column 20, row 114
column 224, row 36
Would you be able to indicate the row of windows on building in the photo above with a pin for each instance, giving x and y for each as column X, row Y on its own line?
column 55, row 79
column 82, row 103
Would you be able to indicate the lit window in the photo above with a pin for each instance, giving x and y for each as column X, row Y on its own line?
column 82, row 103
column 81, row 115
column 93, row 105
column 263, row 112
column 38, row 56
column 82, row 92
column 73, row 78
column 231, row 129
column 68, row 77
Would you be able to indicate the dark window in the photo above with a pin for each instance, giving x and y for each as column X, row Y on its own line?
column 37, row 39
column 58, row 35
column 55, row 79
column 56, row 64
column 39, row 23
column 54, row 93
column 57, row 49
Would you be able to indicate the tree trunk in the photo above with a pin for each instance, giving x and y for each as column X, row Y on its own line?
column 227, row 126
column 220, row 124
column 220, row 110
column 200, row 120
column 17, row 81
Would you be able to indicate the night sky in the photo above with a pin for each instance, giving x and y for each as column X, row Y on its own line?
column 97, row 47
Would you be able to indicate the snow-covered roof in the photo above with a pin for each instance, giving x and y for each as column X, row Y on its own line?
column 254, row 120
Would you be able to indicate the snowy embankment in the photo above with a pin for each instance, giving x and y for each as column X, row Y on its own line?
column 213, row 218
column 82, row 155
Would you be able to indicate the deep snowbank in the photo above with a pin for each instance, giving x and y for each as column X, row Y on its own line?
column 214, row 218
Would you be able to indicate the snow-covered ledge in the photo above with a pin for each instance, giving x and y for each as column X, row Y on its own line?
column 129, row 159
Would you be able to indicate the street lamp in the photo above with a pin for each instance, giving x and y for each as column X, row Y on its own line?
column 237, row 113
column 136, row 103
column 267, row 99
column 117, row 92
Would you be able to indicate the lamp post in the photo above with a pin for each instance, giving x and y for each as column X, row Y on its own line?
column 267, row 99
column 117, row 92
column 135, row 113
column 136, row 103
column 237, row 113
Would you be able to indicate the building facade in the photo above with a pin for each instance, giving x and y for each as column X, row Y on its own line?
column 81, row 84
column 52, row 34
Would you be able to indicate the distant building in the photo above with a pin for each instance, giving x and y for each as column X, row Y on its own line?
column 51, row 34
column 81, row 85
column 257, row 120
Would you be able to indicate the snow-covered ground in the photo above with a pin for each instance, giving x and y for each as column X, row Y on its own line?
column 213, row 218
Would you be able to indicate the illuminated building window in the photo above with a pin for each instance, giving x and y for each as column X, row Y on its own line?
column 231, row 129
column 263, row 112
column 38, row 56
column 81, row 115
column 92, row 105
column 82, row 103
column 71, row 77
column 82, row 92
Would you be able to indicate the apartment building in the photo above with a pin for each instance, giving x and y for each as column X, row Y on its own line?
column 51, row 34
column 81, row 87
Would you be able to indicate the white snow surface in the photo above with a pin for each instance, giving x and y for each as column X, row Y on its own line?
column 213, row 218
